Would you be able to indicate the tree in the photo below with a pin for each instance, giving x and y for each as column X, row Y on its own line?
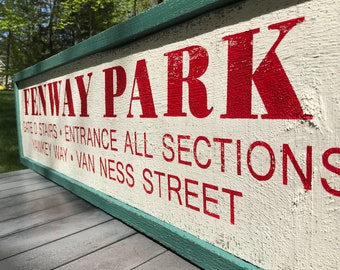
column 85, row 18
column 32, row 30
column 24, row 32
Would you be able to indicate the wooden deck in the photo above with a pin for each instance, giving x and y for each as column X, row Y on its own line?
column 44, row 226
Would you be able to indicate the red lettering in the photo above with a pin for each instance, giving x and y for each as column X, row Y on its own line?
column 83, row 93
column 183, row 149
column 110, row 92
column 206, row 199
column 145, row 94
column 112, row 139
column 135, row 143
column 129, row 170
column 222, row 142
column 26, row 97
column 68, row 100
column 198, row 64
column 120, row 168
column 111, row 169
column 271, row 170
column 238, row 155
column 208, row 163
column 36, row 96
column 117, row 171
column 172, row 152
column 160, row 174
column 270, row 78
column 232, row 194
column 190, row 193
column 175, row 188
column 325, row 161
column 42, row 100
column 146, row 154
column 54, row 94
column 146, row 174
column 305, row 179
column 104, row 131
column 128, row 143
column 34, row 101
column 240, row 64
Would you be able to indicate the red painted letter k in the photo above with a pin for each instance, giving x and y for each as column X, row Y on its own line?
column 270, row 78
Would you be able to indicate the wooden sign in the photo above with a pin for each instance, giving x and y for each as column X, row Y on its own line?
column 217, row 134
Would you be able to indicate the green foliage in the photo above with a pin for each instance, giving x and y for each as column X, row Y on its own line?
column 88, row 17
column 9, row 154
column 26, row 33
column 32, row 30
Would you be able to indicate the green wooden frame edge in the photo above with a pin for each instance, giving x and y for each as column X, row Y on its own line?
column 164, row 15
column 17, row 112
column 197, row 251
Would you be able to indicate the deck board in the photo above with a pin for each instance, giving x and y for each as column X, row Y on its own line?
column 44, row 226
column 30, row 207
column 30, row 196
column 64, row 250
column 24, row 189
column 17, row 243
column 16, row 173
column 124, row 254
column 42, row 217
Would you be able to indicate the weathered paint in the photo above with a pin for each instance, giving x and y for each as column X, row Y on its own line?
column 225, row 127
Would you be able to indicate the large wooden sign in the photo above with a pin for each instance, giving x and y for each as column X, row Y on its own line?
column 217, row 136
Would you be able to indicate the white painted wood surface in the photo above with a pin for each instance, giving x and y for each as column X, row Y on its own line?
column 43, row 226
column 184, row 160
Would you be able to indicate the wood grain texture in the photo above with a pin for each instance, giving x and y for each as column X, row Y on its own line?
column 37, row 236
column 68, row 233
column 30, row 196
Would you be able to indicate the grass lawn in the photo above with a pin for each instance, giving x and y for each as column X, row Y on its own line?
column 9, row 150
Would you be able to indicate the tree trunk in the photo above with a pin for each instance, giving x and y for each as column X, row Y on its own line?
column 8, row 56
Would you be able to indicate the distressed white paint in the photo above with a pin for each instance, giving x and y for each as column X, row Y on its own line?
column 276, row 226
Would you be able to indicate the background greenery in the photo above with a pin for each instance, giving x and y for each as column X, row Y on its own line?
column 32, row 30
column 9, row 150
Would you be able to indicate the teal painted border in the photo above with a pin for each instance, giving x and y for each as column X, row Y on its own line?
column 165, row 15
column 17, row 111
column 196, row 250
column 160, row 17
